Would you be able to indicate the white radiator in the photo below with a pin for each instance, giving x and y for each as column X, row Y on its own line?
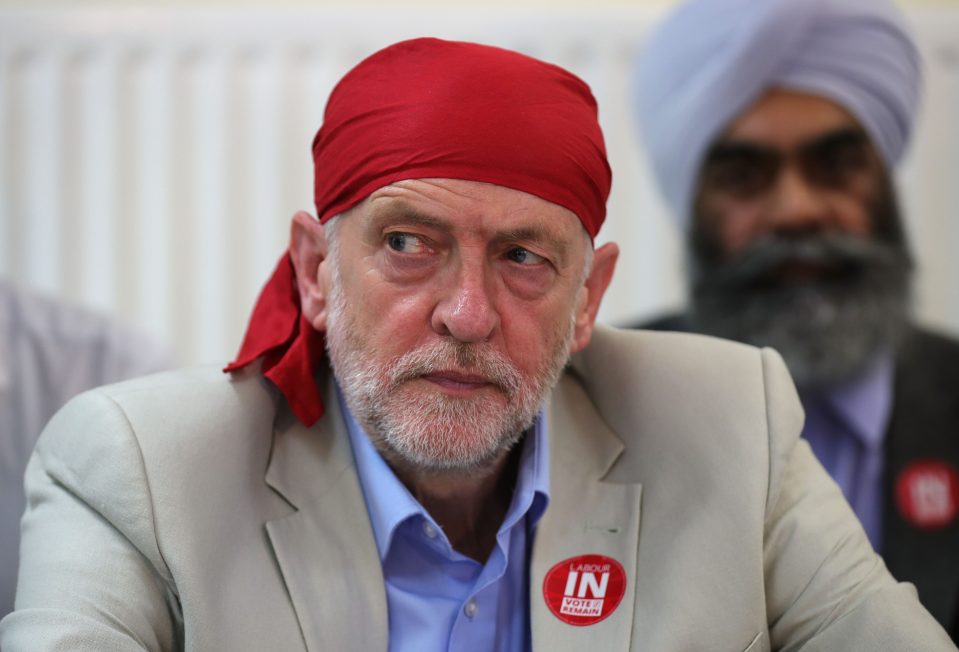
column 150, row 159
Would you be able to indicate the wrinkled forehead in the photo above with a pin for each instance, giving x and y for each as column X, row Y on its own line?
column 477, row 210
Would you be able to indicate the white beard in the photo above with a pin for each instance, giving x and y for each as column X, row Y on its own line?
column 428, row 430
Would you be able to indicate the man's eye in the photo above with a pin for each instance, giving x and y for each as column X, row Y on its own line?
column 833, row 165
column 741, row 177
column 524, row 256
column 405, row 243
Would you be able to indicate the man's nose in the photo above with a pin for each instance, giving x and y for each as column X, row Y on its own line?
column 466, row 309
column 798, row 207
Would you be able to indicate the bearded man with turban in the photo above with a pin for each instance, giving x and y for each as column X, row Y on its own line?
column 400, row 459
column 772, row 128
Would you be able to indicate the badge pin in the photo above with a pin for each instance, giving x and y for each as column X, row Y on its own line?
column 927, row 494
column 584, row 590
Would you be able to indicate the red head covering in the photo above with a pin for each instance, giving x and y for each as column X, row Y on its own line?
column 428, row 108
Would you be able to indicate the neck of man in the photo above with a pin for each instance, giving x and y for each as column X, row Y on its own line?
column 470, row 506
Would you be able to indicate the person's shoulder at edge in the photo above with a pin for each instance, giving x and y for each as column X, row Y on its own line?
column 669, row 331
column 116, row 349
column 196, row 411
column 189, row 393
column 687, row 379
column 685, row 385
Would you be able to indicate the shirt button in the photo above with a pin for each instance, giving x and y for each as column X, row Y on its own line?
column 429, row 530
column 470, row 609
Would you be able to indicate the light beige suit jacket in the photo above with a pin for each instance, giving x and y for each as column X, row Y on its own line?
column 191, row 511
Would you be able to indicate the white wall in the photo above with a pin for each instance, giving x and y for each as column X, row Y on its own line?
column 150, row 158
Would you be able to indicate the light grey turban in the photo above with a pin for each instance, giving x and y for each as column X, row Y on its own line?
column 711, row 59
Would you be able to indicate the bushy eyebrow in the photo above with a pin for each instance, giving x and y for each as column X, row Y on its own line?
column 837, row 138
column 401, row 212
column 735, row 148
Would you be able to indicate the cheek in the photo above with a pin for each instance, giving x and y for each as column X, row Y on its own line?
column 860, row 198
column 856, row 222
column 733, row 224
column 853, row 214
column 398, row 318
column 532, row 332
column 737, row 233
column 385, row 316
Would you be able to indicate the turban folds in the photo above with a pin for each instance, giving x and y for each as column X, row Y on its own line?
column 711, row 59
column 428, row 108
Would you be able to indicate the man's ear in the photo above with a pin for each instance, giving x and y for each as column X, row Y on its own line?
column 601, row 273
column 308, row 248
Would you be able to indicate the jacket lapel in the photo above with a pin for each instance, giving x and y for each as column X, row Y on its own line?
column 325, row 549
column 585, row 516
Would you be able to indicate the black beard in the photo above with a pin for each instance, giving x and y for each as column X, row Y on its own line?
column 828, row 328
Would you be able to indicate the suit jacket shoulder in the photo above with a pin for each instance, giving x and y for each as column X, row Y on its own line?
column 731, row 391
column 145, row 520
column 731, row 495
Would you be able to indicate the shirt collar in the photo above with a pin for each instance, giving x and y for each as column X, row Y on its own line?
column 865, row 402
column 389, row 503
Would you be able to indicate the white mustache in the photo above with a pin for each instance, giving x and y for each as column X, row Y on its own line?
column 446, row 355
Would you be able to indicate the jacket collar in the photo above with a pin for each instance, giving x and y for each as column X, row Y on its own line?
column 325, row 548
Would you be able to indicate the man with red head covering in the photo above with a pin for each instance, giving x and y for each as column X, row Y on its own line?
column 405, row 456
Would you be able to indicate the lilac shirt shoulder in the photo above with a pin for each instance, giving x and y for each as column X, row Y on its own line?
column 437, row 598
column 846, row 428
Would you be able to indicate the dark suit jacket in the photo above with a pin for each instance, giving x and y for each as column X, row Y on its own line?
column 924, row 425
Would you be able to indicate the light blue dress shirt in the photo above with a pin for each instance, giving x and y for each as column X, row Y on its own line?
column 846, row 427
column 437, row 598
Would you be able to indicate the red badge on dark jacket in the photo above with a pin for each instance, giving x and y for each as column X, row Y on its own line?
column 927, row 493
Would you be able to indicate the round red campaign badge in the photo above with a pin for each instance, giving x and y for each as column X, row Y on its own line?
column 927, row 493
column 584, row 590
